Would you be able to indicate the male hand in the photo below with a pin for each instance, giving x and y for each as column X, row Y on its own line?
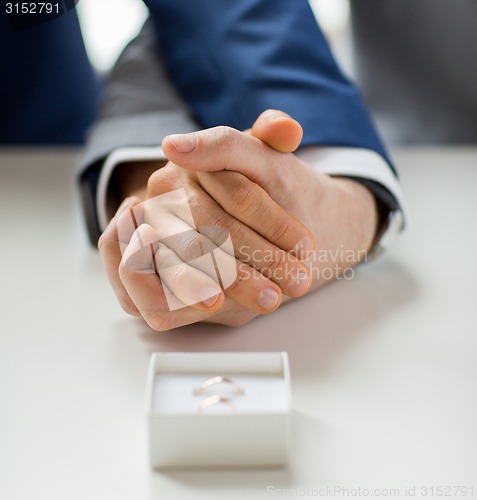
column 257, row 225
column 246, row 172
column 341, row 213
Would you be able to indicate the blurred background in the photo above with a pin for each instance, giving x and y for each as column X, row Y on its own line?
column 412, row 59
column 108, row 25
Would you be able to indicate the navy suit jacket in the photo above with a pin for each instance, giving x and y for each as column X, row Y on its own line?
column 232, row 59
column 48, row 89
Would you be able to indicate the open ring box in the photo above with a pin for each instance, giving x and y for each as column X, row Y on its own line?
column 218, row 409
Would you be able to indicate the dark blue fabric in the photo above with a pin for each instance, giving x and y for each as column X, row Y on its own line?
column 232, row 59
column 48, row 89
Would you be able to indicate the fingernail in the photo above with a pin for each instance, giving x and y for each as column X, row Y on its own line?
column 184, row 143
column 299, row 284
column 273, row 114
column 268, row 298
column 124, row 205
column 209, row 296
column 304, row 247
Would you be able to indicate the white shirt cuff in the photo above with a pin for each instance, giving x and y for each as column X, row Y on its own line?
column 118, row 156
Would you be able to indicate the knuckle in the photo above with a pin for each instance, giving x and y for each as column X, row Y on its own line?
column 189, row 245
column 278, row 166
column 178, row 277
column 154, row 181
column 273, row 267
column 160, row 258
column 161, row 322
column 225, row 138
column 234, row 228
column 240, row 279
column 279, row 228
column 246, row 200
column 162, row 181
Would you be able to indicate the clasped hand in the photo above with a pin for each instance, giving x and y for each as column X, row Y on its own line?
column 274, row 206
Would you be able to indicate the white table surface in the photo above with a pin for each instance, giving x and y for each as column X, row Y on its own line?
column 384, row 367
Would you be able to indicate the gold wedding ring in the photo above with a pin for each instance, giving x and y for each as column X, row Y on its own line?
column 202, row 389
column 215, row 400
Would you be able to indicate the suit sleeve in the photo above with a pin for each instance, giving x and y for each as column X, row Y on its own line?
column 48, row 89
column 232, row 59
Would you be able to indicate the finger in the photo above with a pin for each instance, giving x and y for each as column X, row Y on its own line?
column 212, row 253
column 216, row 225
column 110, row 252
column 185, row 285
column 150, row 299
column 231, row 314
column 279, row 130
column 241, row 283
column 147, row 291
column 250, row 204
column 225, row 148
column 261, row 294
column 249, row 289
column 252, row 290
column 189, row 284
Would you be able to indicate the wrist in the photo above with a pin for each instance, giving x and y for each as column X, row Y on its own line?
column 362, row 211
column 130, row 179
column 344, row 225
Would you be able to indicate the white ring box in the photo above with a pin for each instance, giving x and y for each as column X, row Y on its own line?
column 248, row 430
